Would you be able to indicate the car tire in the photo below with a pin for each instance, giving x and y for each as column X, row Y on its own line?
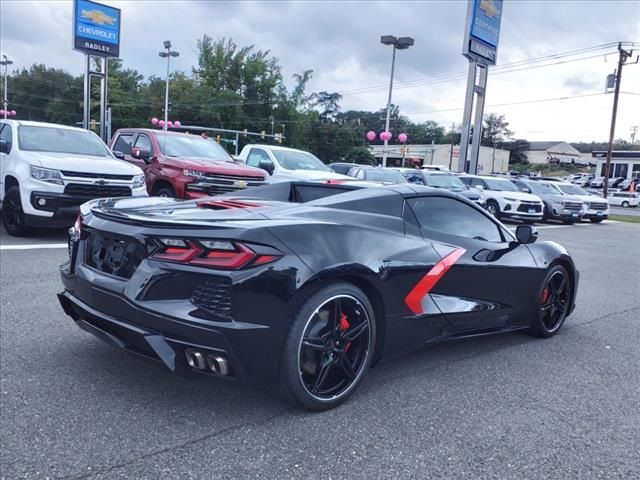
column 596, row 220
column 493, row 208
column 13, row 217
column 328, row 348
column 554, row 302
column 625, row 204
column 568, row 222
column 168, row 192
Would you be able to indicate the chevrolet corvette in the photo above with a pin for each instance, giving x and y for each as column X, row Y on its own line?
column 304, row 284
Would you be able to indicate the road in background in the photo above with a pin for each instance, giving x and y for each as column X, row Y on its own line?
column 507, row 406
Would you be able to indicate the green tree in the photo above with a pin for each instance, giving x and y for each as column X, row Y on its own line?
column 495, row 129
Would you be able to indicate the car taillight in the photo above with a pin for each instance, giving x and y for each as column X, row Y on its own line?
column 222, row 254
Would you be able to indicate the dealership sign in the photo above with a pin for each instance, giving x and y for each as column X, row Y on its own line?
column 483, row 31
column 96, row 28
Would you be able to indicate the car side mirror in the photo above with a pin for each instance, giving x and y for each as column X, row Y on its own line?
column 141, row 154
column 525, row 190
column 5, row 147
column 118, row 155
column 526, row 234
column 267, row 166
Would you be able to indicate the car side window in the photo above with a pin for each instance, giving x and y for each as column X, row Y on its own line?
column 452, row 217
column 476, row 182
column 5, row 135
column 123, row 143
column 360, row 174
column 257, row 155
column 143, row 142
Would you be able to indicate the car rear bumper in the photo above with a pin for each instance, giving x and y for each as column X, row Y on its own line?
column 522, row 216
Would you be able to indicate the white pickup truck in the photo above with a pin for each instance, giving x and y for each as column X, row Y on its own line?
column 47, row 171
column 285, row 164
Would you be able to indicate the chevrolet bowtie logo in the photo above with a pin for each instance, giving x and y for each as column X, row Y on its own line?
column 240, row 184
column 98, row 17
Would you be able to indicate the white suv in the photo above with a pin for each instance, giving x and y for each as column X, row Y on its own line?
column 504, row 200
column 285, row 164
column 47, row 171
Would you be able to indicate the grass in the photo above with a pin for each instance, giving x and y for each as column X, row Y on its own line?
column 625, row 218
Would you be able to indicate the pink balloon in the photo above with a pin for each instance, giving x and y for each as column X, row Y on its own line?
column 154, row 121
column 371, row 136
column 161, row 123
column 13, row 113
column 1, row 112
column 402, row 137
column 177, row 124
column 169, row 124
column 385, row 136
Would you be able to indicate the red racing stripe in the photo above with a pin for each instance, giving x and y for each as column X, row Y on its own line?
column 414, row 299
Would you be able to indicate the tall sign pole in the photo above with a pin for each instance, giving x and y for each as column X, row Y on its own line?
column 96, row 32
column 480, row 47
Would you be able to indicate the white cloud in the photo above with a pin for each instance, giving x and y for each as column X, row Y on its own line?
column 340, row 42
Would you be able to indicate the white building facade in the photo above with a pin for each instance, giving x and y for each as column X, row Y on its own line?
column 624, row 163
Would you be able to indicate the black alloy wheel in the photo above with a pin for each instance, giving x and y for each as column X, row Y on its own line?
column 329, row 347
column 166, row 192
column 555, row 301
column 596, row 220
column 13, row 216
column 625, row 204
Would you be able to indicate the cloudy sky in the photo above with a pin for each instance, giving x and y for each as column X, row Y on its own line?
column 339, row 40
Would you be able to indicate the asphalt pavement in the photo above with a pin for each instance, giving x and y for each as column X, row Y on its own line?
column 502, row 407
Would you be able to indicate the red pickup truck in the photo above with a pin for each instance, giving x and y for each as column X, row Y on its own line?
column 181, row 165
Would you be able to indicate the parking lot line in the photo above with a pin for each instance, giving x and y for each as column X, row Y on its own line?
column 34, row 246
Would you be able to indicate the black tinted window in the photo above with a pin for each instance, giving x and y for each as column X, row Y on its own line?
column 5, row 134
column 123, row 143
column 452, row 217
column 144, row 143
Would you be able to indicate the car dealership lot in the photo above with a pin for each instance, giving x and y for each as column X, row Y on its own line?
column 508, row 406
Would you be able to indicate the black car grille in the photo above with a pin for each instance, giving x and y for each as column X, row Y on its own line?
column 96, row 191
column 597, row 206
column 117, row 256
column 213, row 183
column 213, row 298
column 108, row 176
column 526, row 206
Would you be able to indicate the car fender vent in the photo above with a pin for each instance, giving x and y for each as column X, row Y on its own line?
column 226, row 204
column 213, row 298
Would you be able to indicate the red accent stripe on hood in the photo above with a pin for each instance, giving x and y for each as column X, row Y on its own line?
column 414, row 299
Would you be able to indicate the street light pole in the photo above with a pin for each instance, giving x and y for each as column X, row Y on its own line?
column 168, row 54
column 401, row 43
column 6, row 62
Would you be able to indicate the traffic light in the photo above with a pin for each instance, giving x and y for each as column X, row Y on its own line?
column 262, row 134
column 218, row 139
column 244, row 133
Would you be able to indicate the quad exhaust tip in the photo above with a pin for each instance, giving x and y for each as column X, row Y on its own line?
column 213, row 362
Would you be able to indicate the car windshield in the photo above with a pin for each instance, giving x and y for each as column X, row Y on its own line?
column 192, row 146
column 382, row 175
column 500, row 185
column 542, row 188
column 444, row 181
column 297, row 160
column 572, row 189
column 61, row 140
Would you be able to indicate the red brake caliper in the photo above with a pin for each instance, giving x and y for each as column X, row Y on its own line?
column 344, row 326
column 545, row 295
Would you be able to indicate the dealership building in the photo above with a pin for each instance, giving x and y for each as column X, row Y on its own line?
column 489, row 159
column 557, row 151
column 624, row 163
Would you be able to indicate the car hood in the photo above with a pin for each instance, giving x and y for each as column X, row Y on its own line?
column 214, row 166
column 81, row 163
column 527, row 197
column 590, row 198
column 288, row 175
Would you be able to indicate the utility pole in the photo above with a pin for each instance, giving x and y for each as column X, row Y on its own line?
column 168, row 54
column 6, row 62
column 607, row 166
column 634, row 130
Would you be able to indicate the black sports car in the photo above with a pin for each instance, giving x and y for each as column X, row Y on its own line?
column 306, row 284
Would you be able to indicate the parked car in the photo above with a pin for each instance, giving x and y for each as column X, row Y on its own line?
column 377, row 174
column 301, row 295
column 557, row 205
column 445, row 180
column 341, row 167
column 48, row 170
column 596, row 208
column 504, row 200
column 624, row 199
column 435, row 167
column 582, row 179
column 181, row 165
column 597, row 182
column 286, row 164
column 625, row 185
column 613, row 182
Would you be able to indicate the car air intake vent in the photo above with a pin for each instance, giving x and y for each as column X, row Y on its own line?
column 213, row 298
column 598, row 206
column 108, row 176
column 119, row 256
column 96, row 191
